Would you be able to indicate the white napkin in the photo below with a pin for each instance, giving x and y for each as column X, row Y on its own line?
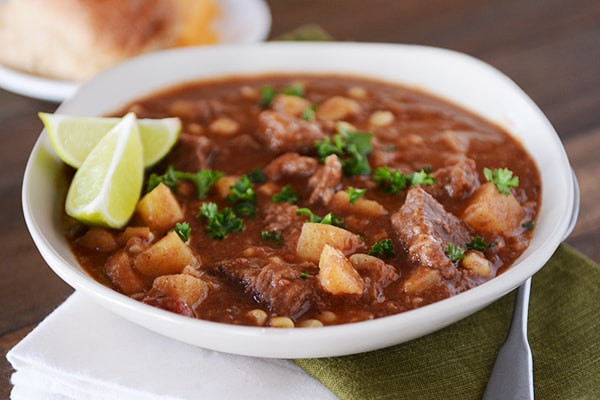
column 82, row 351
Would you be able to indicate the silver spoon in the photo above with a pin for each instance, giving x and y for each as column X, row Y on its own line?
column 512, row 375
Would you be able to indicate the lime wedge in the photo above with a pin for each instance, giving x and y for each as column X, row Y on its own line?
column 107, row 186
column 73, row 138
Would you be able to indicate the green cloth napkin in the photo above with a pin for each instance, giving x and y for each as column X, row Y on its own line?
column 455, row 362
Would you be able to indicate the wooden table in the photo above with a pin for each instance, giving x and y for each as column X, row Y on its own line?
column 551, row 48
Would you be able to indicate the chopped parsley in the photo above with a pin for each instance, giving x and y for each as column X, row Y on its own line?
column 327, row 147
column 308, row 114
column 390, row 180
column 296, row 89
column 529, row 225
column 303, row 275
column 351, row 147
column 219, row 224
column 393, row 181
column 183, row 230
column 479, row 244
column 383, row 248
column 271, row 235
column 257, row 176
column 455, row 253
column 355, row 194
column 502, row 178
column 267, row 94
column 286, row 195
column 243, row 197
column 168, row 178
column 204, row 179
column 421, row 178
column 328, row 219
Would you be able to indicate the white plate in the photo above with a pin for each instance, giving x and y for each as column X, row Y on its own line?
column 240, row 21
column 454, row 76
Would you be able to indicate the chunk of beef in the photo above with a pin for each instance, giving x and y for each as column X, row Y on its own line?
column 458, row 180
column 282, row 218
column 191, row 153
column 281, row 132
column 425, row 228
column 324, row 182
column 290, row 164
column 274, row 283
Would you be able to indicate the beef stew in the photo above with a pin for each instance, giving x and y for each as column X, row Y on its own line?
column 316, row 200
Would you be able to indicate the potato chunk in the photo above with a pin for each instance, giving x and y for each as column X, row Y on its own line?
column 119, row 269
column 492, row 212
column 186, row 287
column 337, row 108
column 476, row 262
column 422, row 279
column 167, row 256
column 99, row 239
column 290, row 105
column 223, row 185
column 336, row 274
column 224, row 126
column 159, row 209
column 314, row 237
column 365, row 207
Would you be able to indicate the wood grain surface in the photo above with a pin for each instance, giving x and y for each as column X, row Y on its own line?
column 550, row 48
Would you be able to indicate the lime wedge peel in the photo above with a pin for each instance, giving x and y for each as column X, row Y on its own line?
column 74, row 137
column 107, row 186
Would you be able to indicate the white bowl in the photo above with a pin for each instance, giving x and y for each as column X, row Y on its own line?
column 454, row 76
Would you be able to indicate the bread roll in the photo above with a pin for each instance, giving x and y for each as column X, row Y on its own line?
column 73, row 40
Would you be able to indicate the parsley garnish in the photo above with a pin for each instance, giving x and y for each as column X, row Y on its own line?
column 296, row 89
column 168, row 178
column 267, row 94
column 183, row 230
column 479, row 244
column 355, row 194
column 529, row 225
column 308, row 114
column 383, row 248
column 303, row 275
column 392, row 181
column 219, row 223
column 327, row 147
column 351, row 147
column 286, row 195
column 271, row 235
column 204, row 179
column 243, row 197
column 455, row 253
column 503, row 179
column 257, row 176
column 328, row 219
column 421, row 178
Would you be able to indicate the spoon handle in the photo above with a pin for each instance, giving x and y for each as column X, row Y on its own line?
column 512, row 375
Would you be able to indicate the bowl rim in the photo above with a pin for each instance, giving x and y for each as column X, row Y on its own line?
column 296, row 343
